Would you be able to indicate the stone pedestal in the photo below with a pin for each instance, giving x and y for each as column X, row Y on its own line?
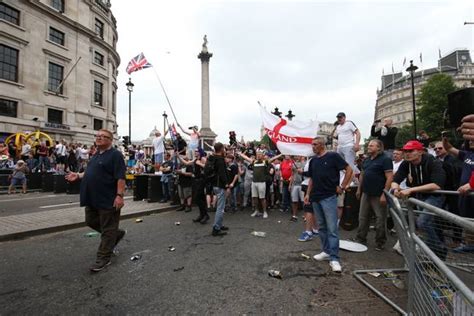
column 208, row 137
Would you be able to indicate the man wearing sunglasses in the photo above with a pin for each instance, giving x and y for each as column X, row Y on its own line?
column 102, row 190
column 423, row 174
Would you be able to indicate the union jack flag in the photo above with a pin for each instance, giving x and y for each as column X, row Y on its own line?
column 139, row 62
column 173, row 132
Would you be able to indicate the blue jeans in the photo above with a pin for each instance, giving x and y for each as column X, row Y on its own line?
column 426, row 223
column 233, row 195
column 220, row 206
column 285, row 199
column 326, row 213
column 166, row 190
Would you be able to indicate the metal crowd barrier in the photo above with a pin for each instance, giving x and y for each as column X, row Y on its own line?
column 440, row 277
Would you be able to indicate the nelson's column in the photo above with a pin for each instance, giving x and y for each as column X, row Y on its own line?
column 208, row 137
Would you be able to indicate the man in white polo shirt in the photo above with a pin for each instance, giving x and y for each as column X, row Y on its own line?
column 347, row 144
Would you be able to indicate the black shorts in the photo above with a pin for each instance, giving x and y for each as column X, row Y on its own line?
column 61, row 160
column 209, row 189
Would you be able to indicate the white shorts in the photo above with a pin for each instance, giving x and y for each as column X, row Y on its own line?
column 259, row 189
column 297, row 194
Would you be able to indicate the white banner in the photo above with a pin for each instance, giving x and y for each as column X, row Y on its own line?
column 291, row 137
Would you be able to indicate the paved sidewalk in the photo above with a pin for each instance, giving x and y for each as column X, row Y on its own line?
column 26, row 225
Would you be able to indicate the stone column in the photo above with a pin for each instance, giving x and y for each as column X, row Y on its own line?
column 207, row 135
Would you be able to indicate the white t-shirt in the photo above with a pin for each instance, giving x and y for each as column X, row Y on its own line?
column 61, row 150
column 194, row 141
column 84, row 153
column 159, row 145
column 305, row 169
column 396, row 165
column 345, row 134
column 25, row 149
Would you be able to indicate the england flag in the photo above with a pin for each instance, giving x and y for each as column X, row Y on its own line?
column 291, row 137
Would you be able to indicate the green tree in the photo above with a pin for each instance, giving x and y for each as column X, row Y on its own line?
column 432, row 103
column 405, row 133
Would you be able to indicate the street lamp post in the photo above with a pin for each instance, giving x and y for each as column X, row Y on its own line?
column 412, row 70
column 129, row 85
column 290, row 115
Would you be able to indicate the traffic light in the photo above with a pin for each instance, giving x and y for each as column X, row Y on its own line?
column 125, row 141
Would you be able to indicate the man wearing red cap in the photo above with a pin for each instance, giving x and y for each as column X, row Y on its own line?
column 423, row 174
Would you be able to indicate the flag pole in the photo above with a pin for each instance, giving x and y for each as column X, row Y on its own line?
column 166, row 95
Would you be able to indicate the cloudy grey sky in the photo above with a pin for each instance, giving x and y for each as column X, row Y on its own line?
column 314, row 57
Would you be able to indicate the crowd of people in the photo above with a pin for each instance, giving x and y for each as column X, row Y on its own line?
column 240, row 176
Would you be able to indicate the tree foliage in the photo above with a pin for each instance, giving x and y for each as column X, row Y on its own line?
column 405, row 133
column 432, row 103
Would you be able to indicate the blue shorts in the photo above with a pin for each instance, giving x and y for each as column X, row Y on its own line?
column 159, row 158
column 18, row 181
column 131, row 163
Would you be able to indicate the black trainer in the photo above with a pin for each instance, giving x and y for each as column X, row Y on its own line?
column 188, row 209
column 205, row 219
column 224, row 228
column 216, row 232
column 181, row 208
column 198, row 219
column 99, row 265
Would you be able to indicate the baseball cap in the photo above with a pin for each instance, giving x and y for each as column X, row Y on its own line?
column 413, row 145
column 341, row 114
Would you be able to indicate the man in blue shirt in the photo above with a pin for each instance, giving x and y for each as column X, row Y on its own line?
column 377, row 175
column 322, row 191
column 102, row 190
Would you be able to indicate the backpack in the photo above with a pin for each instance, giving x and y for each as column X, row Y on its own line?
column 210, row 169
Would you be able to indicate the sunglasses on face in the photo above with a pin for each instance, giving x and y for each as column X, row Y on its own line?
column 438, row 148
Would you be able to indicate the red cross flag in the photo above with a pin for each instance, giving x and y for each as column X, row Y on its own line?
column 291, row 137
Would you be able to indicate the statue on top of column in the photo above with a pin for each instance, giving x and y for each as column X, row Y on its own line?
column 204, row 45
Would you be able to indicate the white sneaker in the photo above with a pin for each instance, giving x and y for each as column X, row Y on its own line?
column 265, row 214
column 321, row 256
column 254, row 214
column 335, row 266
column 398, row 248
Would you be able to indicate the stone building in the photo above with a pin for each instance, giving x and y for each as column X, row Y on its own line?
column 58, row 67
column 394, row 99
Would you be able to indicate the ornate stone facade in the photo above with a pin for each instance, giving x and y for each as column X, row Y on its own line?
column 62, row 62
column 394, row 98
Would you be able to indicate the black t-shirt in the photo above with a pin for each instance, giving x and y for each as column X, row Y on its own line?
column 232, row 170
column 99, row 185
column 374, row 170
column 186, row 181
column 324, row 173
column 197, row 171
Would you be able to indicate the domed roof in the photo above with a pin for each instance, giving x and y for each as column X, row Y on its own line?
column 153, row 132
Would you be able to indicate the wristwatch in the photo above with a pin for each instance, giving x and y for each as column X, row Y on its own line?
column 120, row 194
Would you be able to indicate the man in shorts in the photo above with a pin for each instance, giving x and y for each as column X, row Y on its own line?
column 260, row 168
column 296, row 179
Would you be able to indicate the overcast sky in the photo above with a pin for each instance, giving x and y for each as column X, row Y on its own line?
column 314, row 57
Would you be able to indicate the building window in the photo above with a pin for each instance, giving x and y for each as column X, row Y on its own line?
column 113, row 101
column 99, row 28
column 98, row 124
column 9, row 14
column 56, row 36
column 58, row 5
column 8, row 63
column 55, row 77
column 55, row 116
column 114, row 42
column 8, row 108
column 98, row 89
column 98, row 58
